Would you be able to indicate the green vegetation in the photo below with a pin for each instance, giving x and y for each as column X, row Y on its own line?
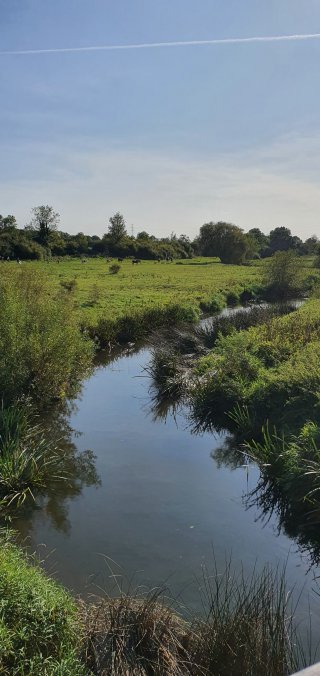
column 28, row 460
column 247, row 627
column 282, row 276
column 272, row 369
column 262, row 383
column 42, row 352
column 39, row 628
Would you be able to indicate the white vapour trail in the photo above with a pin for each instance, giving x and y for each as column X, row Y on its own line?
column 157, row 45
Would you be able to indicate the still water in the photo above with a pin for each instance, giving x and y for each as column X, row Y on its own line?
column 155, row 498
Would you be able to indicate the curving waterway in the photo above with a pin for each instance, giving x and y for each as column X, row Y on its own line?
column 154, row 498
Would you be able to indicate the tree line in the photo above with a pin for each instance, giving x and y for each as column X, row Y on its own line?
column 42, row 238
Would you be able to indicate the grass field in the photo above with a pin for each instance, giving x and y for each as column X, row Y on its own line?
column 149, row 293
column 137, row 287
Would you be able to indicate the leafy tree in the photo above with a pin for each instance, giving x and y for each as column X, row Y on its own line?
column 310, row 246
column 143, row 235
column 261, row 240
column 7, row 222
column 282, row 275
column 224, row 240
column 44, row 221
column 281, row 239
column 117, row 227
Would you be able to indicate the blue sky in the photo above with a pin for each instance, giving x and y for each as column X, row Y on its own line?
column 171, row 137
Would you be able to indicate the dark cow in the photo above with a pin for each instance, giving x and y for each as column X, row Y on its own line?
column 120, row 260
column 135, row 261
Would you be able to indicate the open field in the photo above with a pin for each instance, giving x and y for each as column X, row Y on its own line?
column 138, row 287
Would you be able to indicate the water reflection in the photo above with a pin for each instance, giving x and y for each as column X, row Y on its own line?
column 270, row 505
column 78, row 471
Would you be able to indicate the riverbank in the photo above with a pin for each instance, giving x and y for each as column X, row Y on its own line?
column 247, row 627
column 260, row 382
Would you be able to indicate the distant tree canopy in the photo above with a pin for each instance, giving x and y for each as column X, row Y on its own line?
column 224, row 240
column 41, row 238
column 44, row 220
column 281, row 239
column 7, row 222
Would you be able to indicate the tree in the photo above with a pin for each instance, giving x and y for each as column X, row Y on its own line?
column 261, row 240
column 282, row 275
column 224, row 240
column 44, row 221
column 311, row 245
column 117, row 227
column 143, row 235
column 281, row 239
column 7, row 222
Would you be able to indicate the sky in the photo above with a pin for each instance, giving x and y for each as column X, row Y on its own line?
column 171, row 136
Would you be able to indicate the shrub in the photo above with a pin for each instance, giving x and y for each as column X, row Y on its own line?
column 114, row 268
column 233, row 298
column 282, row 275
column 42, row 351
column 69, row 285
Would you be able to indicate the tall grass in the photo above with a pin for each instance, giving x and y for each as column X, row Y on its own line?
column 246, row 629
column 246, row 626
column 28, row 460
column 42, row 351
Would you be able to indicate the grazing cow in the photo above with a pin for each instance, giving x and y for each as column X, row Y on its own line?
column 120, row 260
column 135, row 261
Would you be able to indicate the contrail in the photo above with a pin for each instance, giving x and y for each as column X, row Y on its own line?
column 159, row 45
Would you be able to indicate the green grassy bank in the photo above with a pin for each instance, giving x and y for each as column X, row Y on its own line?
column 246, row 627
column 262, row 382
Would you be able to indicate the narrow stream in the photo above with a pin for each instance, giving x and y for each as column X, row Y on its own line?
column 155, row 499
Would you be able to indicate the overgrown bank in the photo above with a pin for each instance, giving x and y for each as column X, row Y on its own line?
column 262, row 382
column 247, row 628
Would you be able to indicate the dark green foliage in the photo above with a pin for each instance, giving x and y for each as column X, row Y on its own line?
column 114, row 268
column 224, row 240
column 117, row 227
column 282, row 276
column 44, row 221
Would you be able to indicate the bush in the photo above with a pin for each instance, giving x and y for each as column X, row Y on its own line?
column 42, row 352
column 114, row 268
column 282, row 275
column 69, row 285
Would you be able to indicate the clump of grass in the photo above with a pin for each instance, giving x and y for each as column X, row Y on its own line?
column 39, row 627
column 292, row 465
column 69, row 285
column 246, row 629
column 114, row 268
column 28, row 461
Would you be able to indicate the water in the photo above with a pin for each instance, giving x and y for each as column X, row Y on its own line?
column 157, row 500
